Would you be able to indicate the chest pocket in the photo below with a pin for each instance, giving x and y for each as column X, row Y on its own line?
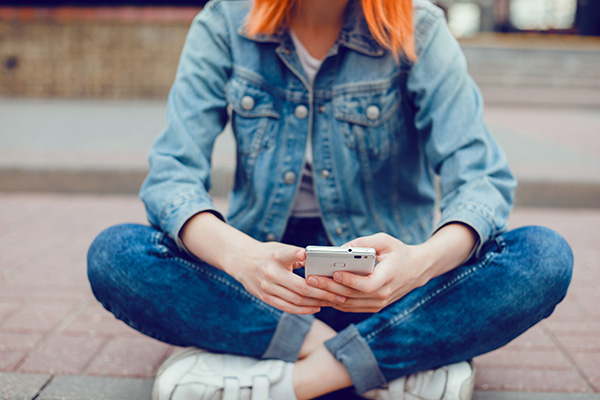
column 253, row 119
column 369, row 119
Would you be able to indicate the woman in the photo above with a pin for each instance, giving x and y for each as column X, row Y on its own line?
column 344, row 114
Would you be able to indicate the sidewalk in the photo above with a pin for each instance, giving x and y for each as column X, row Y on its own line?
column 57, row 342
column 90, row 146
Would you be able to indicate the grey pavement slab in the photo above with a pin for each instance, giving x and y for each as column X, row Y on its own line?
column 97, row 388
column 15, row 386
column 483, row 395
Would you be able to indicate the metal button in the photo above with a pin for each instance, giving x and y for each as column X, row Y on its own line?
column 247, row 103
column 339, row 230
column 373, row 112
column 321, row 109
column 289, row 177
column 271, row 237
column 325, row 174
column 301, row 112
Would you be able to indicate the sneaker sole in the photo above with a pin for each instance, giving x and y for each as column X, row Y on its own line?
column 172, row 359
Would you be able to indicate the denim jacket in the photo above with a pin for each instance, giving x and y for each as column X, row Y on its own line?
column 382, row 130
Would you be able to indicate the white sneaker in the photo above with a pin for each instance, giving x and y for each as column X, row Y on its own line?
column 197, row 374
column 452, row 382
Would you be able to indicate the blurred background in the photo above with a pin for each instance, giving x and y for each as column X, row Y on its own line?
column 83, row 86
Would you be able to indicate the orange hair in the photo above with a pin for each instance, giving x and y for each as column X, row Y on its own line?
column 390, row 21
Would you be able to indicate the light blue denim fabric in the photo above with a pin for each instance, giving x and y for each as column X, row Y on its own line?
column 381, row 131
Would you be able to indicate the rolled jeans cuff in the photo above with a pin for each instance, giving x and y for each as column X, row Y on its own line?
column 351, row 349
column 289, row 336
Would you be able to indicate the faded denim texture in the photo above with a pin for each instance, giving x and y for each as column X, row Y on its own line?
column 380, row 131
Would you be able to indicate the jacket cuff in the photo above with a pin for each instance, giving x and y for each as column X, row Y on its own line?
column 180, row 209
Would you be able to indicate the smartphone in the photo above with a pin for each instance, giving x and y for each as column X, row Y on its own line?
column 325, row 260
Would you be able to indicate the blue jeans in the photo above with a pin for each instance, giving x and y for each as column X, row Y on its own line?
column 139, row 274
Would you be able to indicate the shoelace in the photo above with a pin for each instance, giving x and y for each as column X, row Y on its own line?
column 260, row 388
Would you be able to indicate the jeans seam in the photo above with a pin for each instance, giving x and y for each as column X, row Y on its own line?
column 217, row 278
column 432, row 295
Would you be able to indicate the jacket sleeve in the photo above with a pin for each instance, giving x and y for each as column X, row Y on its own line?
column 476, row 184
column 177, row 185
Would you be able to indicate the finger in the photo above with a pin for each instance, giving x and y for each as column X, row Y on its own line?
column 288, row 255
column 379, row 241
column 295, row 298
column 362, row 305
column 330, row 286
column 290, row 308
column 363, row 284
column 301, row 287
column 301, row 257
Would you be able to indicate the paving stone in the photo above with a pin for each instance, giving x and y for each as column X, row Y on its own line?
column 21, row 386
column 529, row 380
column 42, row 293
column 132, row 357
column 493, row 395
column 62, row 355
column 534, row 359
column 37, row 317
column 97, row 388
column 581, row 343
column 9, row 359
column 96, row 321
column 585, row 328
column 534, row 339
column 18, row 341
column 7, row 308
column 589, row 364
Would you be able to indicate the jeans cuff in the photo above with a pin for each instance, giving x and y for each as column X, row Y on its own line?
column 289, row 336
column 351, row 349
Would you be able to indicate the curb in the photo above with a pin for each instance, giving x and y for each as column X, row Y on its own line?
column 119, row 180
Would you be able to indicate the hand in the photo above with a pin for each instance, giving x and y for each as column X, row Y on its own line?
column 266, row 271
column 400, row 269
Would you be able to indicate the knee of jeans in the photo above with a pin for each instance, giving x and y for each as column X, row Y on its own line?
column 551, row 259
column 105, row 256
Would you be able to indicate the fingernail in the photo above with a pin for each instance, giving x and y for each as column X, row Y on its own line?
column 313, row 281
column 339, row 299
column 337, row 277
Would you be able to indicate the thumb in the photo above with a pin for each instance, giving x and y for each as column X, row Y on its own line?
column 289, row 255
column 381, row 242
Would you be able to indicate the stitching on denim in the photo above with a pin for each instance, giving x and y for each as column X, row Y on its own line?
column 217, row 278
column 426, row 299
column 157, row 238
column 347, row 338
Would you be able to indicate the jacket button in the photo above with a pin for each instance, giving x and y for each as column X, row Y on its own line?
column 325, row 174
column 247, row 103
column 301, row 112
column 271, row 237
column 321, row 109
column 289, row 177
column 373, row 112
column 339, row 231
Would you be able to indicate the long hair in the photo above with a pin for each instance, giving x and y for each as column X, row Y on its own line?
column 390, row 21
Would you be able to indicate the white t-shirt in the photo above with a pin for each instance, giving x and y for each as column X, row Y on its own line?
column 305, row 205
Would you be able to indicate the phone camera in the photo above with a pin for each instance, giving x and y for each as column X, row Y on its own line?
column 349, row 250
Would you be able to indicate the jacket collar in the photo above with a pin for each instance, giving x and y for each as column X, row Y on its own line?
column 354, row 34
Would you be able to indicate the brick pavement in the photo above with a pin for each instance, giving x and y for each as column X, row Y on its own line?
column 51, row 325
